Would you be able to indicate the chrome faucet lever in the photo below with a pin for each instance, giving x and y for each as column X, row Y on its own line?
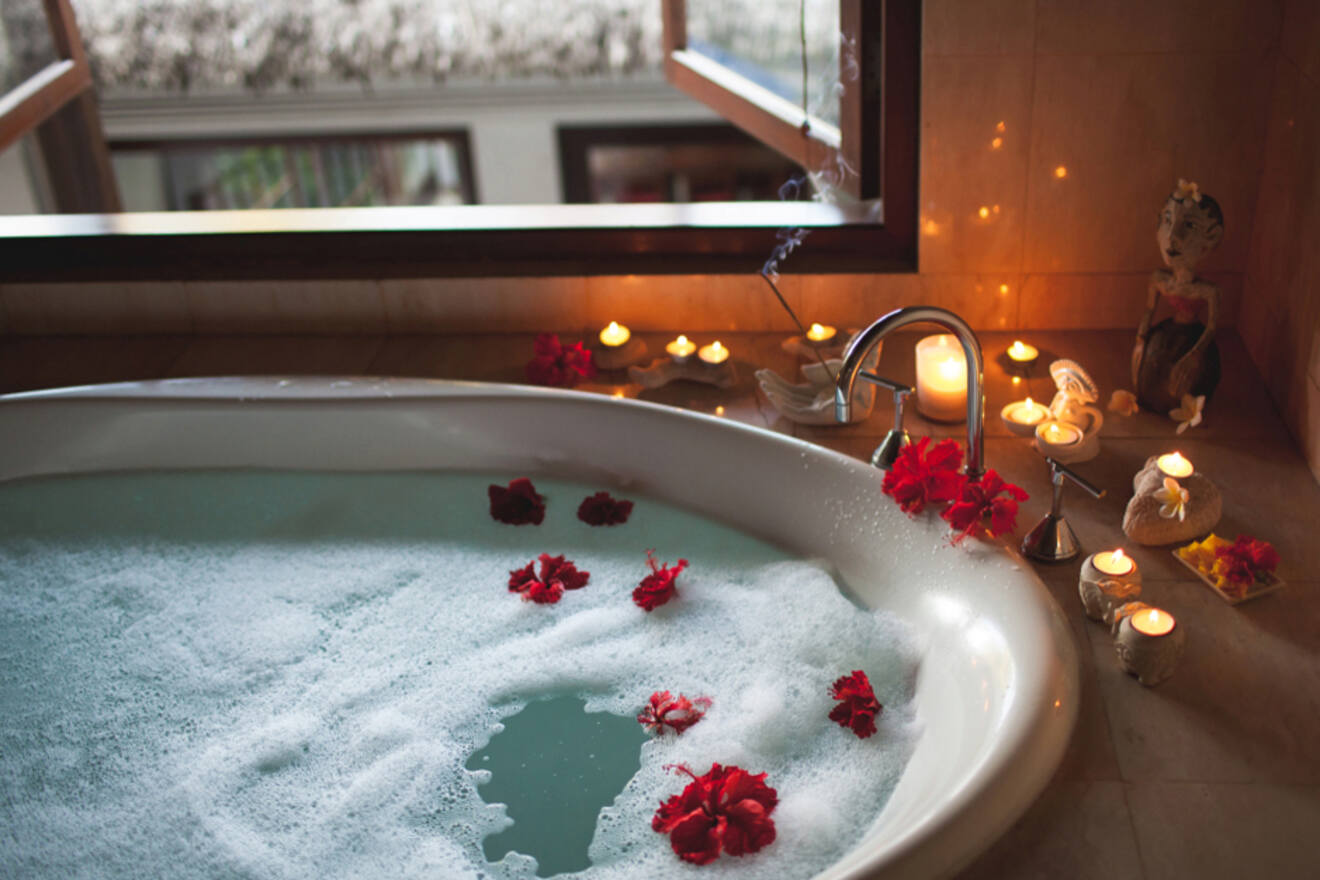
column 897, row 438
column 1052, row 539
column 864, row 341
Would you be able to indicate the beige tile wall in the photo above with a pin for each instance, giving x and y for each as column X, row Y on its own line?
column 1126, row 95
column 1280, row 311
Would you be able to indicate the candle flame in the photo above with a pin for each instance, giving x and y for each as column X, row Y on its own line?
column 816, row 330
column 716, row 348
column 614, row 327
column 950, row 368
column 1119, row 557
column 1152, row 617
column 1031, row 404
column 681, row 340
column 1018, row 347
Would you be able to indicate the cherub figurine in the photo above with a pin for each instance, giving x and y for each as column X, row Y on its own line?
column 1178, row 355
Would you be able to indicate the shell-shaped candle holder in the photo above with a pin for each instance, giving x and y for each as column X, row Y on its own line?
column 1152, row 659
column 1072, row 406
column 1142, row 521
column 1102, row 593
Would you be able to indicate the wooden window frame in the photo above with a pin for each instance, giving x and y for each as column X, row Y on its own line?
column 56, row 104
column 490, row 240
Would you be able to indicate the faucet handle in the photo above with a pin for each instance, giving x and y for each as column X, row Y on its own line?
column 1052, row 539
column 897, row 438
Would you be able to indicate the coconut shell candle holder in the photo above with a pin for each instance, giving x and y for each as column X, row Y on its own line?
column 1149, row 644
column 1169, row 509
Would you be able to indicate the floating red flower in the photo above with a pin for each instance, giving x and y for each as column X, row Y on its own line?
column 557, row 364
column 726, row 809
column 918, row 477
column 516, row 504
column 557, row 574
column 666, row 712
column 857, row 704
column 658, row 587
column 602, row 510
column 1246, row 559
column 988, row 503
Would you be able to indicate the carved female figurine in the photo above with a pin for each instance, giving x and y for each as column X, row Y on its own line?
column 1178, row 355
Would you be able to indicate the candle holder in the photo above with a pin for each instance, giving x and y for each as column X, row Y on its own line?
column 1105, row 583
column 1151, row 519
column 1076, row 435
column 662, row 371
column 1149, row 644
column 1022, row 416
column 617, row 357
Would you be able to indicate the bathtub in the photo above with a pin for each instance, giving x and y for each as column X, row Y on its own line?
column 997, row 686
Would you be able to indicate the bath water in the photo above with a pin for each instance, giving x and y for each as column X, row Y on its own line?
column 321, row 675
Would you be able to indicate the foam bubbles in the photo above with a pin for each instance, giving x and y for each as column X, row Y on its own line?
column 283, row 675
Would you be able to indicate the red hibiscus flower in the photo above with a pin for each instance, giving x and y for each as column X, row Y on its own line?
column 677, row 715
column 557, row 574
column 658, row 587
column 559, row 365
column 857, row 704
column 988, row 503
column 602, row 510
column 918, row 478
column 1246, row 559
column 726, row 809
column 516, row 504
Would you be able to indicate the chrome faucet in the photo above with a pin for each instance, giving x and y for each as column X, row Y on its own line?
column 863, row 342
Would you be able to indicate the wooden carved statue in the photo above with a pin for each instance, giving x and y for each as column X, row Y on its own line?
column 1178, row 355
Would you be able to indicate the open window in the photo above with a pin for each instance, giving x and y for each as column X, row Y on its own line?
column 49, row 94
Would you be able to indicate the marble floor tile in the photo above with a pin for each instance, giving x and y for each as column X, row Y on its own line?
column 1226, row 831
column 1244, row 702
column 1076, row 830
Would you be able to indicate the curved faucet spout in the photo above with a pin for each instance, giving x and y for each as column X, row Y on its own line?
column 870, row 337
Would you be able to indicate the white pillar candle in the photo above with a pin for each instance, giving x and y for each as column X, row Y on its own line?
column 941, row 378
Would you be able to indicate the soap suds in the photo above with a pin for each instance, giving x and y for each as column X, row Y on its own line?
column 283, row 675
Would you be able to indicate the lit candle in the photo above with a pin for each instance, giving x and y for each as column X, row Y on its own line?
column 713, row 354
column 680, row 349
column 1021, row 416
column 821, row 333
column 941, row 379
column 1174, row 465
column 1153, row 622
column 1114, row 562
column 1053, row 433
column 1022, row 353
column 615, row 335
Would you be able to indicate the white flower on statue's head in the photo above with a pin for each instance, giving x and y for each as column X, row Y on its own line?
column 1123, row 402
column 1189, row 414
column 1187, row 191
column 1173, row 499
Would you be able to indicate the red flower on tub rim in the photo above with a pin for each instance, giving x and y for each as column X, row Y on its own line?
column 987, row 503
column 1246, row 560
column 666, row 712
column 725, row 809
column 857, row 704
column 557, row 575
column 516, row 504
column 658, row 587
column 557, row 364
column 602, row 509
column 919, row 477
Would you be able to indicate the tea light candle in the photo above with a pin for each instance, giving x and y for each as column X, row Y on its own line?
column 1021, row 353
column 681, row 349
column 941, row 379
column 1022, row 416
column 1174, row 465
column 1055, row 433
column 820, row 333
column 713, row 354
column 1108, row 579
column 1114, row 563
column 1149, row 644
column 615, row 335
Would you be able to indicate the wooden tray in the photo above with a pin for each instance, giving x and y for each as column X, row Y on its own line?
column 1259, row 588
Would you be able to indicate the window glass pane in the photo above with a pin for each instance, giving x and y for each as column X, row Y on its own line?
column 25, row 43
column 762, row 40
column 321, row 174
